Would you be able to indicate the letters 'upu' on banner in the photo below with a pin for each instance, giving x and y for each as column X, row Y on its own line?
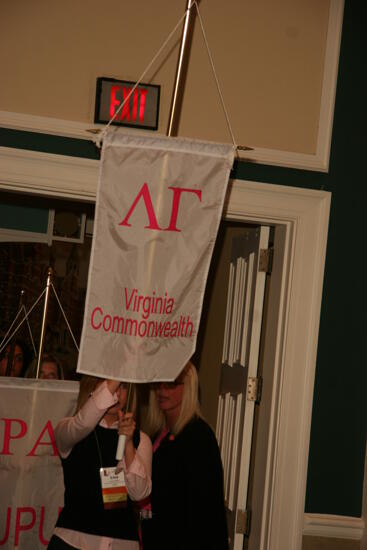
column 159, row 204
column 31, row 478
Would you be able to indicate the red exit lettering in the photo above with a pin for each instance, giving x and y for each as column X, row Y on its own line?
column 134, row 106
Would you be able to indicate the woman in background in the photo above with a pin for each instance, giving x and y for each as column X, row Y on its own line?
column 187, row 501
column 17, row 352
column 96, row 514
column 50, row 368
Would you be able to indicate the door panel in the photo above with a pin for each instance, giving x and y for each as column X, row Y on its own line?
column 245, row 297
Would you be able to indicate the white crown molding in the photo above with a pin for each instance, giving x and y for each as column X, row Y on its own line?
column 46, row 125
column 316, row 162
column 285, row 159
column 338, row 527
column 57, row 127
column 48, row 174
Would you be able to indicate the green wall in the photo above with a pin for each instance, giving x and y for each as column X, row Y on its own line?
column 23, row 218
column 339, row 418
column 338, row 434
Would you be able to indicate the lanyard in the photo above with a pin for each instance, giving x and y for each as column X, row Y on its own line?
column 98, row 448
column 159, row 439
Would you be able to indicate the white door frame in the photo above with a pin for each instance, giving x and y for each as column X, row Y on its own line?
column 301, row 216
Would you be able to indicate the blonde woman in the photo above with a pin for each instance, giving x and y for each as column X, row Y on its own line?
column 98, row 511
column 187, row 503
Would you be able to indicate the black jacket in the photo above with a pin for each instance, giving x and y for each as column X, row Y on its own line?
column 187, row 493
column 83, row 509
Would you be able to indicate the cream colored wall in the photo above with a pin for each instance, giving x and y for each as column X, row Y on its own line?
column 269, row 58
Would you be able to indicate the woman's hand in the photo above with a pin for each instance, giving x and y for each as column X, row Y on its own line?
column 126, row 425
column 113, row 385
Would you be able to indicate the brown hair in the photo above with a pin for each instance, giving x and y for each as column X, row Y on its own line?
column 31, row 371
column 86, row 386
column 48, row 358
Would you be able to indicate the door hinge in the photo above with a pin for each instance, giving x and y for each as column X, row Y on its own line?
column 266, row 260
column 254, row 387
column 243, row 522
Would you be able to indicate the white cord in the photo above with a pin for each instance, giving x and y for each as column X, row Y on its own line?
column 30, row 331
column 99, row 137
column 11, row 326
column 64, row 315
column 3, row 346
column 215, row 75
column 6, row 339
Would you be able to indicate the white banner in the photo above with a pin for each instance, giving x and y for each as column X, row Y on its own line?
column 159, row 205
column 31, row 479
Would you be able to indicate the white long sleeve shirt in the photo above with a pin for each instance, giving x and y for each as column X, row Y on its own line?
column 70, row 431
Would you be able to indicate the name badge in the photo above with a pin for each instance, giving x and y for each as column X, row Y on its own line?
column 114, row 492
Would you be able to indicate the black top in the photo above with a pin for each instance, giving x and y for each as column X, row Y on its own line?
column 83, row 504
column 187, row 492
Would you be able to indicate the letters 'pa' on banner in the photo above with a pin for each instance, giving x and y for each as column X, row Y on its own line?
column 159, row 204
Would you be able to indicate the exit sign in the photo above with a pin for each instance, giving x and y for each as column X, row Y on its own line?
column 140, row 110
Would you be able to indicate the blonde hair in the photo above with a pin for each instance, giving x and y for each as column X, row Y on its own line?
column 190, row 407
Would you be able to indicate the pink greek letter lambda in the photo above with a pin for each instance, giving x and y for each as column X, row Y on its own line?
column 143, row 193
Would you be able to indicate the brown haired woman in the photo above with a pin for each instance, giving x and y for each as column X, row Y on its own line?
column 50, row 368
column 187, row 502
column 98, row 512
